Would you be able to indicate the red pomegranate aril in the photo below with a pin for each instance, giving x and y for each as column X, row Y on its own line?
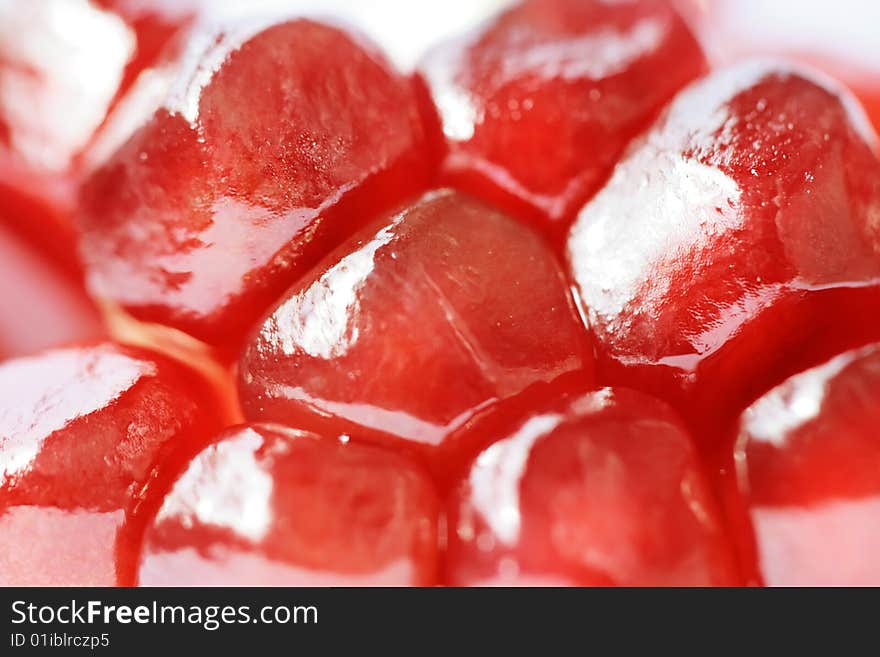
column 267, row 505
column 216, row 205
column 414, row 325
column 80, row 429
column 808, row 458
column 43, row 305
column 537, row 105
column 587, row 488
column 735, row 244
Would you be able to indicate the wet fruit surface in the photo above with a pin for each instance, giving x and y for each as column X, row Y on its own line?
column 212, row 207
column 266, row 505
column 414, row 325
column 735, row 243
column 809, row 466
column 586, row 488
column 537, row 105
column 79, row 430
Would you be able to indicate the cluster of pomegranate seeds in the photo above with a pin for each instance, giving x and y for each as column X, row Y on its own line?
column 537, row 105
column 808, row 457
column 421, row 284
column 80, row 429
column 267, row 505
column 216, row 205
column 414, row 325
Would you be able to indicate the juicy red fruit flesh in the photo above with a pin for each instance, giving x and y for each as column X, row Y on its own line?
column 266, row 505
column 735, row 243
column 80, row 429
column 414, row 325
column 808, row 457
column 538, row 104
column 585, row 488
column 215, row 205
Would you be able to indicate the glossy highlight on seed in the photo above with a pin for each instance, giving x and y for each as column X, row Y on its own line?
column 61, row 65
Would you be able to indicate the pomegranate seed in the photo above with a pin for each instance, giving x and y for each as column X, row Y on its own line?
column 809, row 466
column 63, row 64
column 80, row 428
column 585, row 488
column 414, row 325
column 537, row 105
column 735, row 243
column 265, row 505
column 215, row 206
